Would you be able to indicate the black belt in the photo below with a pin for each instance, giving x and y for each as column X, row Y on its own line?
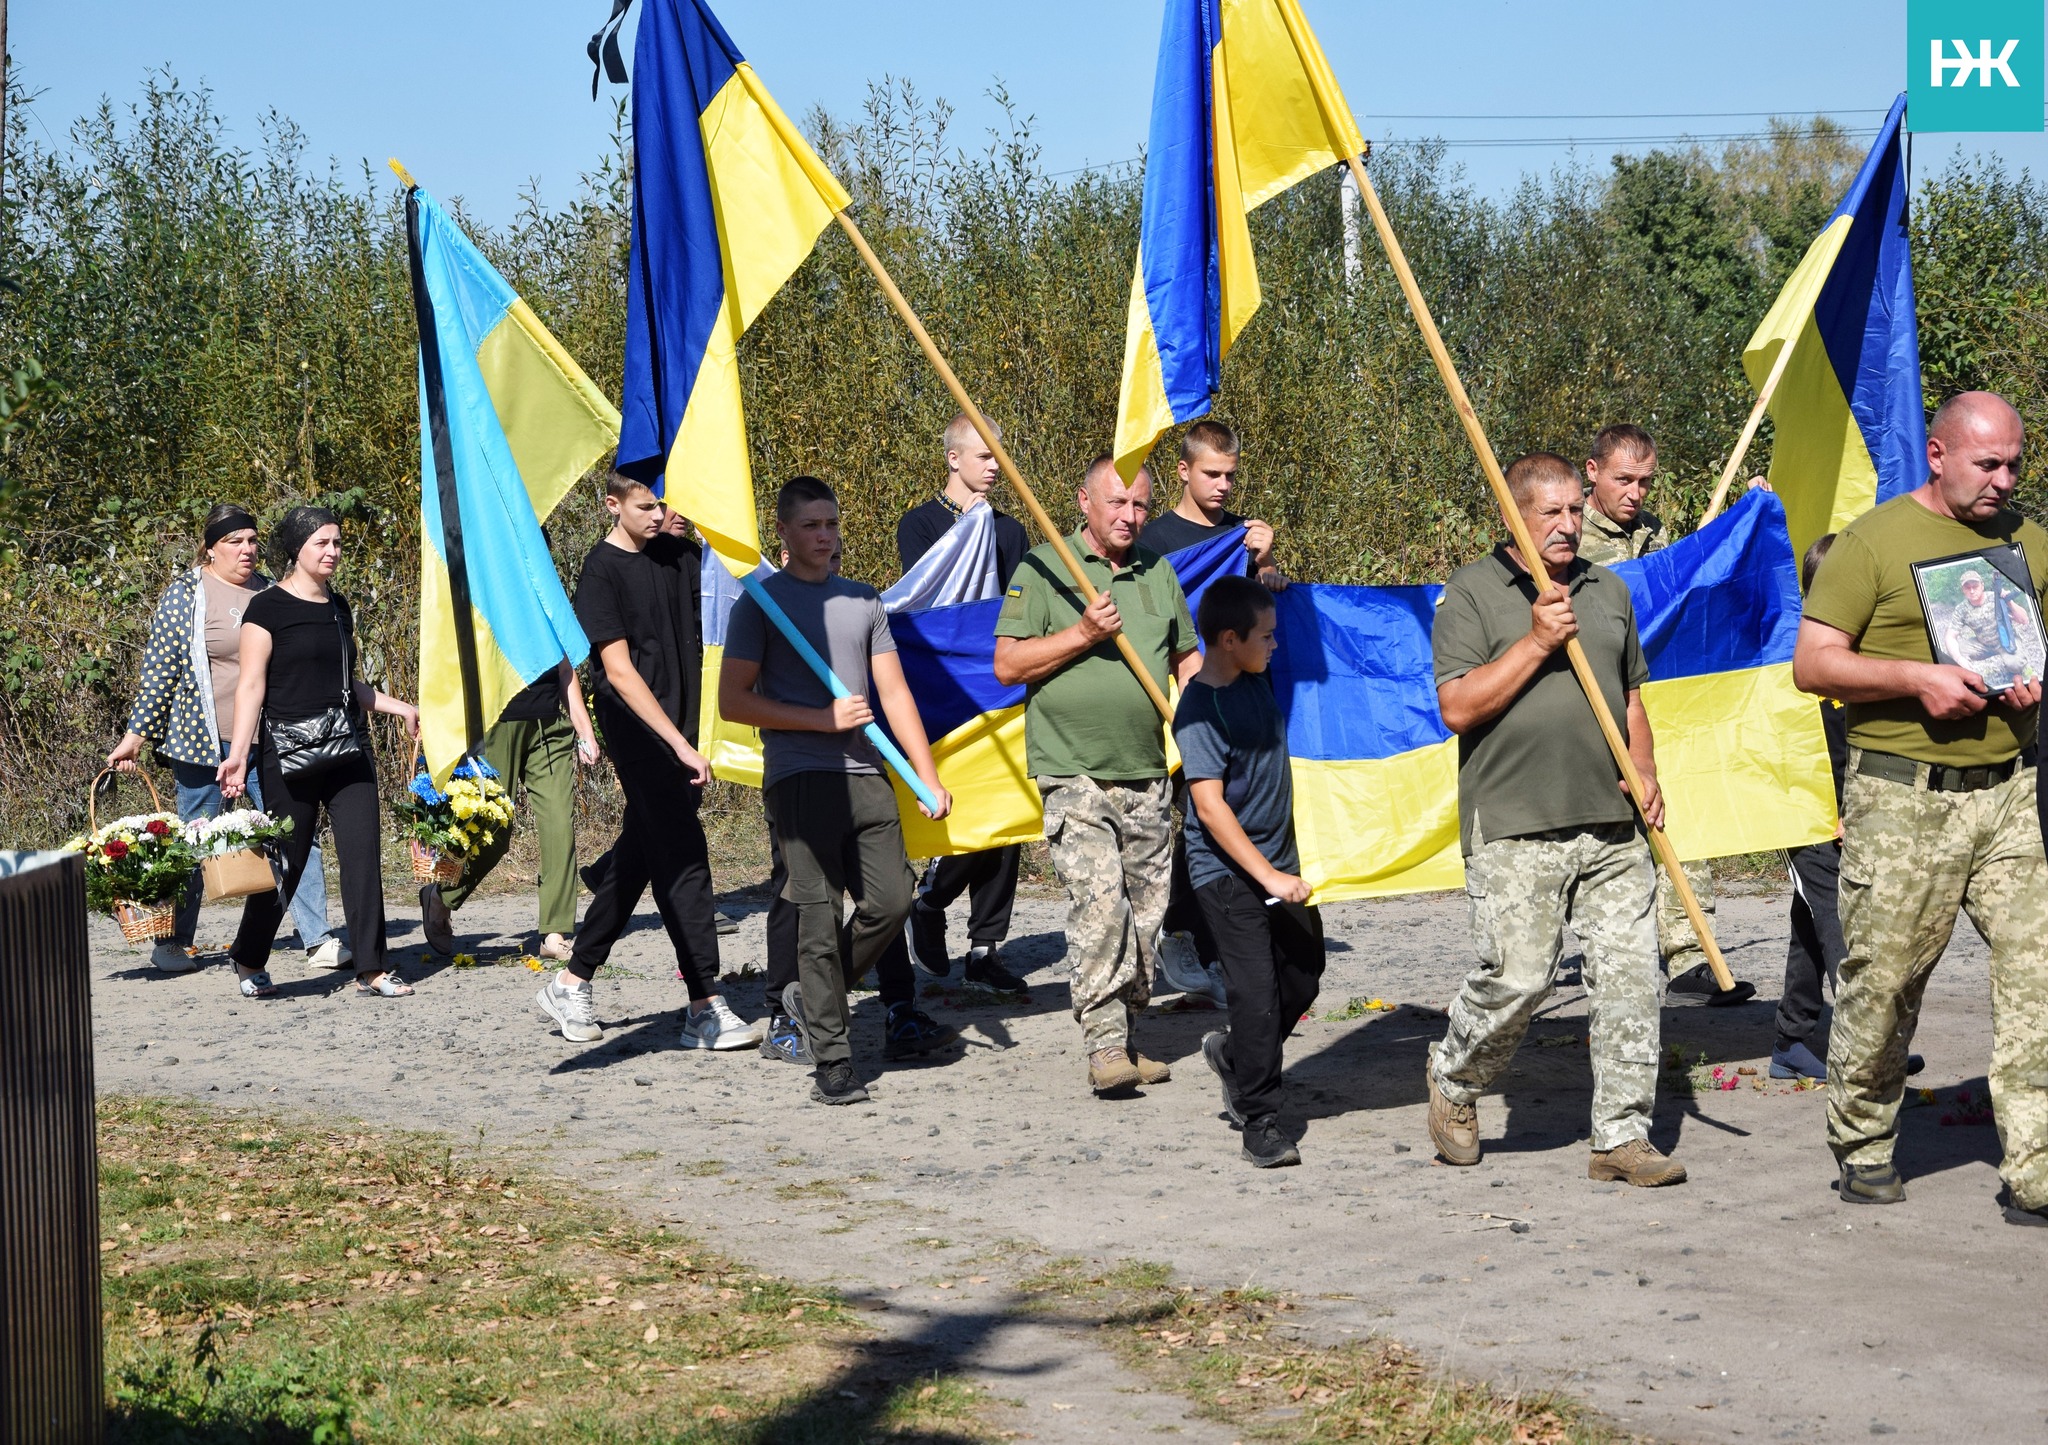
column 1895, row 769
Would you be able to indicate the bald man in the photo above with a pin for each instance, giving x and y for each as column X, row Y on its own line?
column 1938, row 807
column 1097, row 746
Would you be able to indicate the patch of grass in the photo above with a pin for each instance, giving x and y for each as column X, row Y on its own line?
column 1358, row 1008
column 268, row 1281
column 1220, row 1349
column 816, row 1189
column 703, row 1168
column 634, row 1155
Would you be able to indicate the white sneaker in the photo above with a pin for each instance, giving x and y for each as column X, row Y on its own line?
column 333, row 953
column 718, row 1027
column 170, row 957
column 1182, row 968
column 572, row 1008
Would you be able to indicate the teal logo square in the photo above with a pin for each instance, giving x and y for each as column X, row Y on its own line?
column 1974, row 65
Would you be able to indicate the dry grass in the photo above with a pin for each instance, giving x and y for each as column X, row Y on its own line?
column 1228, row 1351
column 281, row 1282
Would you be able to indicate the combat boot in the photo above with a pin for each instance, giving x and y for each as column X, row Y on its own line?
column 1150, row 1071
column 1637, row 1162
column 1871, row 1184
column 1453, row 1128
column 1110, row 1070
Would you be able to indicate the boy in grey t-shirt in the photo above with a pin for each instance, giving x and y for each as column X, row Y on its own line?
column 1242, row 858
column 832, row 811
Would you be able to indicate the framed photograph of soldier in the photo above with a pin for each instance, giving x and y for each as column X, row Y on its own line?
column 1983, row 614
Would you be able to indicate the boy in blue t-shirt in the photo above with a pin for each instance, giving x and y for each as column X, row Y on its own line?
column 1242, row 859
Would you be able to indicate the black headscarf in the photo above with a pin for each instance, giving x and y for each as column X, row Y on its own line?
column 226, row 518
column 294, row 531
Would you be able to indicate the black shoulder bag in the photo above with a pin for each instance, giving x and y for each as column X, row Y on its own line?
column 308, row 747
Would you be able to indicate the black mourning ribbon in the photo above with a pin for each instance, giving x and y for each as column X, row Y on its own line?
column 603, row 49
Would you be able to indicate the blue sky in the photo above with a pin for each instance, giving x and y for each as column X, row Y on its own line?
column 481, row 98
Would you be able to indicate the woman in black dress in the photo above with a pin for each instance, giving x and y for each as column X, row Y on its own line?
column 298, row 660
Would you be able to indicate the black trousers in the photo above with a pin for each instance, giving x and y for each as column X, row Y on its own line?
column 349, row 795
column 989, row 878
column 1272, row 957
column 1816, row 947
column 1183, row 913
column 894, row 979
column 661, row 842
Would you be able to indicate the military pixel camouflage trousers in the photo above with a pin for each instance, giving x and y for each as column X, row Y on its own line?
column 1112, row 844
column 1523, row 892
column 1910, row 860
column 1677, row 940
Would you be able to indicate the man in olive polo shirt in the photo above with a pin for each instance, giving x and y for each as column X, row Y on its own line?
column 1097, row 747
column 1938, row 806
column 1549, row 834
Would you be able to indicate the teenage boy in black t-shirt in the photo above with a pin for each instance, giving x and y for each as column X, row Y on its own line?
column 637, row 601
column 1243, row 860
column 988, row 877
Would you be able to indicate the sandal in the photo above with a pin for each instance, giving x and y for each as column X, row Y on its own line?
column 258, row 985
column 388, row 985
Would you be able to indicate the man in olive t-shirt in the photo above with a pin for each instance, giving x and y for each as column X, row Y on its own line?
column 1097, row 747
column 1548, row 832
column 1938, row 808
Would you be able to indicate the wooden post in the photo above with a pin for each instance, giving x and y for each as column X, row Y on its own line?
column 1756, row 418
column 973, row 414
column 1525, row 544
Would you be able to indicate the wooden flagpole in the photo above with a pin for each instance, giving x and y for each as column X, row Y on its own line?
column 973, row 414
column 1756, row 418
column 1525, row 544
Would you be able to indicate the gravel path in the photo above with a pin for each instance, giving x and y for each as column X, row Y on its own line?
column 1746, row 1304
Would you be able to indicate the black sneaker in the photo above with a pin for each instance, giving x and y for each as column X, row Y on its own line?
column 1266, row 1147
column 2014, row 1214
column 1696, row 986
column 910, row 1031
column 985, row 967
column 784, row 1040
column 1214, row 1044
column 836, row 1085
column 924, row 934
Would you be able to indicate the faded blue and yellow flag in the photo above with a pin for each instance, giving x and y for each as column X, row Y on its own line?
column 1851, row 420
column 1243, row 107
column 508, row 423
column 728, row 200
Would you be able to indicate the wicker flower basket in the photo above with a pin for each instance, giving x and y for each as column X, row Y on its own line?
column 431, row 865
column 146, row 922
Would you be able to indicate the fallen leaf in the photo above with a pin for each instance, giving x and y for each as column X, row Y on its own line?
column 653, row 1334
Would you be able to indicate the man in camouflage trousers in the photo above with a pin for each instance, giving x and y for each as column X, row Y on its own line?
column 1938, row 811
column 1619, row 528
column 1548, row 831
column 1097, row 746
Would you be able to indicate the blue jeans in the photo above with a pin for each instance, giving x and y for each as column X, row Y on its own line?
column 199, row 797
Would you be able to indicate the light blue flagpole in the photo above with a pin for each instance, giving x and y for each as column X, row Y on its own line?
column 892, row 754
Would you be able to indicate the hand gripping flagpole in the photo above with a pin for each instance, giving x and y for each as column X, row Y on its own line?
column 891, row 754
column 987, row 433
column 1525, row 544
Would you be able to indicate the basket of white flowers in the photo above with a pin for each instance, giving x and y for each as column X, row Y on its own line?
column 234, row 851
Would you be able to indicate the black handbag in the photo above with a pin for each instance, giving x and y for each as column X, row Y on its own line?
column 308, row 747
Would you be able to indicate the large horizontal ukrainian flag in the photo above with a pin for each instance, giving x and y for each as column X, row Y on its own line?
column 1850, row 418
column 508, row 424
column 728, row 200
column 1740, row 753
column 1243, row 107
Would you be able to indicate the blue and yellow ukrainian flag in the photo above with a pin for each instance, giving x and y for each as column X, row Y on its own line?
column 728, row 200
column 1851, row 421
column 508, row 424
column 1243, row 107
column 1740, row 752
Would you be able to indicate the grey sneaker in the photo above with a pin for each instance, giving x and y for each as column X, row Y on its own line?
column 170, row 956
column 1182, row 968
column 718, row 1027
column 572, row 1008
